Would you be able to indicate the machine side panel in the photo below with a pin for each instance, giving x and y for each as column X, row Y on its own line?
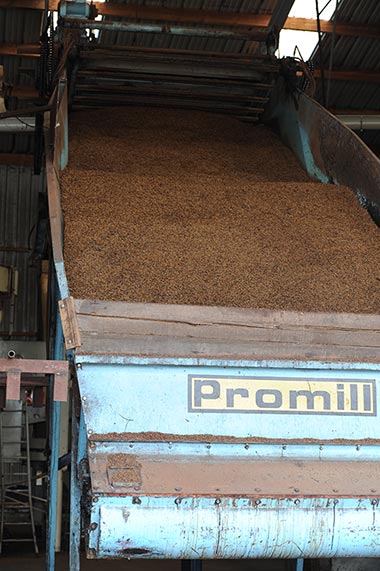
column 126, row 402
column 329, row 151
column 233, row 528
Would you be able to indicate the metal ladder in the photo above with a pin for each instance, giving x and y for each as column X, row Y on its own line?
column 15, row 473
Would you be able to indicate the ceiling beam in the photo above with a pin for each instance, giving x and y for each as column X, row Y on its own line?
column 364, row 76
column 327, row 26
column 31, row 4
column 24, row 50
column 153, row 13
column 16, row 159
column 361, row 112
column 24, row 92
column 206, row 17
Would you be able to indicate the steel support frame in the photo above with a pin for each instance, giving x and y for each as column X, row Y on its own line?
column 54, row 427
column 78, row 455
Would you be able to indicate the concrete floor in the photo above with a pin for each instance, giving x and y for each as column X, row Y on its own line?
column 29, row 562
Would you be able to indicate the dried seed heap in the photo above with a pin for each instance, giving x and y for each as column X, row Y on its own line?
column 192, row 208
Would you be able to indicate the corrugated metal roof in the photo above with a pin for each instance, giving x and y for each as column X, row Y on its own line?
column 19, row 190
column 353, row 53
column 19, row 27
column 253, row 6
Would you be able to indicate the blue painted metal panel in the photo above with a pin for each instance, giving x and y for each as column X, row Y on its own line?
column 294, row 133
column 233, row 528
column 122, row 399
column 300, row 565
column 240, row 363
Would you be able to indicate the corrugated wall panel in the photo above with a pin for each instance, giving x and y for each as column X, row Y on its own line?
column 19, row 190
column 352, row 53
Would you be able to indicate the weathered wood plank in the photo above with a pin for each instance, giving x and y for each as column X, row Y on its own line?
column 113, row 327
column 69, row 323
column 172, row 347
column 227, row 315
column 165, row 331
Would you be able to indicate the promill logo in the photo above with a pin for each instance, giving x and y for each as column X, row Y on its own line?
column 271, row 395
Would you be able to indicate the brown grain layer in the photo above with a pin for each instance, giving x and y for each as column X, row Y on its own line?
column 191, row 208
column 207, row 438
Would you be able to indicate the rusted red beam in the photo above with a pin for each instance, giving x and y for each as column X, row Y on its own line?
column 15, row 368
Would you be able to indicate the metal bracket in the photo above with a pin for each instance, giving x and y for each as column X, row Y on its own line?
column 69, row 323
column 14, row 368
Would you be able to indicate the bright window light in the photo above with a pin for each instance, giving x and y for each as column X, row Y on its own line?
column 304, row 41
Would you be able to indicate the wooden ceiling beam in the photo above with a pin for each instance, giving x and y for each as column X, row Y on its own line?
column 16, row 159
column 361, row 112
column 29, row 4
column 23, row 50
column 24, row 92
column 364, row 76
column 327, row 26
column 152, row 13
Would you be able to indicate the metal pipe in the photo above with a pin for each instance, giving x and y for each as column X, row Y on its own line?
column 335, row 17
column 321, row 65
column 257, row 35
column 360, row 122
column 17, row 125
column 13, row 355
column 58, row 531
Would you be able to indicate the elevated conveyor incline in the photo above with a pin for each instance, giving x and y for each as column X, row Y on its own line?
column 219, row 432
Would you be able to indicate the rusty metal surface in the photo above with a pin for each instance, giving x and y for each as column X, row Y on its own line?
column 230, row 476
column 342, row 155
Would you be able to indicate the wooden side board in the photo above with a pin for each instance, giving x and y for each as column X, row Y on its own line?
column 177, row 331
